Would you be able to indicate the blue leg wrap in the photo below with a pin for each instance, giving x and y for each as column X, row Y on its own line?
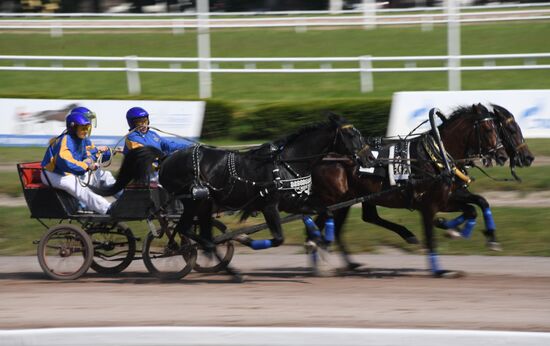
column 312, row 229
column 454, row 223
column 434, row 263
column 468, row 227
column 260, row 244
column 314, row 258
column 329, row 230
column 489, row 222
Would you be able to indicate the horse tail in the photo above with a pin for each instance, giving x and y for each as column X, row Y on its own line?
column 137, row 166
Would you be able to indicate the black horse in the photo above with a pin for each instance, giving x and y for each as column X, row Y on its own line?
column 462, row 199
column 468, row 131
column 276, row 176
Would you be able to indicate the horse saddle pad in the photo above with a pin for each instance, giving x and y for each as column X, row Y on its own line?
column 393, row 163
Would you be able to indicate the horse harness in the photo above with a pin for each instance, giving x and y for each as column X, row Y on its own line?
column 300, row 186
column 470, row 154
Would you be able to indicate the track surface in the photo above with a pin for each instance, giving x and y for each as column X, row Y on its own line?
column 498, row 293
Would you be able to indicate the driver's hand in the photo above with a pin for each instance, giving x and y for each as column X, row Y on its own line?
column 89, row 162
column 103, row 148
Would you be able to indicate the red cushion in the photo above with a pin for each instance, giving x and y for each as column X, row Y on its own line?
column 30, row 175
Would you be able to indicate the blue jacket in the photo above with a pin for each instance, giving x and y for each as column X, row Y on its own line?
column 66, row 155
column 137, row 139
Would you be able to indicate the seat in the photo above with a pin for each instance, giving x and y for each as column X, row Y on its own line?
column 43, row 201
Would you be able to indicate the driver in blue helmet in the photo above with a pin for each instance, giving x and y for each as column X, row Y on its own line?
column 138, row 121
column 71, row 157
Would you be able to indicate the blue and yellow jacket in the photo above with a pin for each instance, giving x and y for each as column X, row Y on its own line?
column 137, row 139
column 66, row 155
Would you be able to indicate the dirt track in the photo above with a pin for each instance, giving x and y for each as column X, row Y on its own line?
column 499, row 293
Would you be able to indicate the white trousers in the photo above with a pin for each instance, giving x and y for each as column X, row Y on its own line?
column 74, row 186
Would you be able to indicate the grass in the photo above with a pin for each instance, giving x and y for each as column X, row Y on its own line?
column 534, row 178
column 516, row 37
column 522, row 232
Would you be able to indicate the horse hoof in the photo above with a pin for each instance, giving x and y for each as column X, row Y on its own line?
column 440, row 223
column 238, row 278
column 412, row 240
column 310, row 246
column 323, row 272
column 494, row 246
column 242, row 238
column 353, row 265
column 449, row 274
column 453, row 234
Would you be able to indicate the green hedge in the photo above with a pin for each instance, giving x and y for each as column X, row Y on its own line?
column 274, row 120
column 218, row 117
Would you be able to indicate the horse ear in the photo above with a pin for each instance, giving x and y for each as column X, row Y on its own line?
column 334, row 118
column 483, row 108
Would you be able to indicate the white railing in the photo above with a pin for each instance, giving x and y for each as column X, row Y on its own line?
column 275, row 13
column 369, row 17
column 364, row 65
column 348, row 21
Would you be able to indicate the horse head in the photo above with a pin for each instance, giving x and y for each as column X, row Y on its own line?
column 349, row 141
column 512, row 138
column 475, row 134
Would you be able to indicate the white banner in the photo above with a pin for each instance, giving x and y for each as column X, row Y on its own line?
column 531, row 108
column 26, row 122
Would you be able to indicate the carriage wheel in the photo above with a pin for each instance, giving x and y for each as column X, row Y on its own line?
column 114, row 249
column 65, row 252
column 207, row 262
column 169, row 259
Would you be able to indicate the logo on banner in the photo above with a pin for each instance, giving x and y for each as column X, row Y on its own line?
column 533, row 117
column 30, row 122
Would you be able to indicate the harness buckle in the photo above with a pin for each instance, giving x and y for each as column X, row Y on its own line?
column 200, row 192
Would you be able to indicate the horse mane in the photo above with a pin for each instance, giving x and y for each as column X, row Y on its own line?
column 284, row 141
column 265, row 151
column 467, row 112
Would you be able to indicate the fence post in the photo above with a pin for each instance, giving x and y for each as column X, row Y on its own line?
column 177, row 30
column 203, row 44
column 453, row 44
column 132, row 76
column 365, row 65
column 369, row 14
column 55, row 32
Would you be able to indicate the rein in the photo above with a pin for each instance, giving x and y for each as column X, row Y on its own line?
column 512, row 171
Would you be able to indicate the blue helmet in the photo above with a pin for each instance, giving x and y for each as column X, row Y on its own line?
column 87, row 113
column 75, row 118
column 135, row 113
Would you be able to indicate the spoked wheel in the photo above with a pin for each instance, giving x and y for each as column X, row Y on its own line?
column 114, row 249
column 207, row 262
column 169, row 257
column 65, row 252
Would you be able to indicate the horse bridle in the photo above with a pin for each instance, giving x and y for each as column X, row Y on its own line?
column 508, row 139
column 486, row 154
column 355, row 154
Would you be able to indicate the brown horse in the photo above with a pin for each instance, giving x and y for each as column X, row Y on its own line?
column 462, row 199
column 468, row 131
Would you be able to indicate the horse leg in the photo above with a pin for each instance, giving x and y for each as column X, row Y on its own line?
column 433, row 258
column 313, row 235
column 458, row 201
column 370, row 215
column 204, row 215
column 340, row 216
column 427, row 220
column 490, row 227
column 273, row 220
column 464, row 196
